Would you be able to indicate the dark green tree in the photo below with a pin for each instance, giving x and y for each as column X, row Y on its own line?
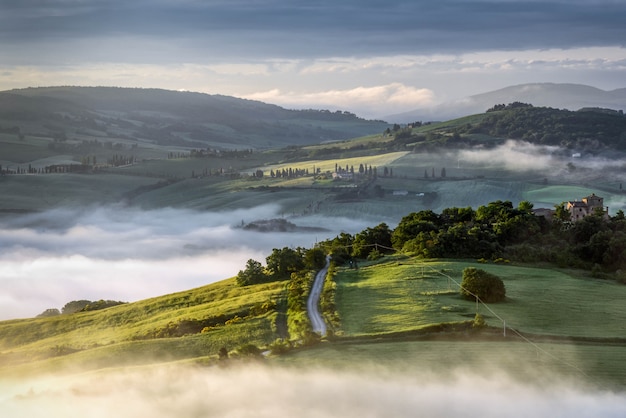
column 377, row 238
column 282, row 262
column 477, row 282
column 314, row 258
column 254, row 273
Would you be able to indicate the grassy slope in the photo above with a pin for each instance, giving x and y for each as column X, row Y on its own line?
column 404, row 294
column 116, row 336
column 383, row 303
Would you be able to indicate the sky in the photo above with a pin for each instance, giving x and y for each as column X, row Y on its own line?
column 371, row 57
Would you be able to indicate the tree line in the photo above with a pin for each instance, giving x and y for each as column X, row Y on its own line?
column 496, row 231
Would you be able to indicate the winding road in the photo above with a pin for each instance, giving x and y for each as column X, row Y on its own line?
column 312, row 304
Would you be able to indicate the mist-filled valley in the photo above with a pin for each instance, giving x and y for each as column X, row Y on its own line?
column 214, row 231
column 264, row 391
column 126, row 254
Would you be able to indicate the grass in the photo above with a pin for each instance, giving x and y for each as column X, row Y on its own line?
column 56, row 190
column 22, row 151
column 385, row 307
column 405, row 294
column 325, row 165
column 87, row 337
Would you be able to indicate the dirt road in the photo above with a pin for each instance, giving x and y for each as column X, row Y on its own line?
column 312, row 305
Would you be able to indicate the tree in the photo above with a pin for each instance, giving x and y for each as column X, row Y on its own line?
column 315, row 259
column 378, row 238
column 74, row 306
column 49, row 312
column 254, row 273
column 412, row 225
column 486, row 286
column 282, row 262
column 561, row 213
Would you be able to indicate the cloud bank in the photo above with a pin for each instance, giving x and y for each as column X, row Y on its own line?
column 265, row 392
column 389, row 56
column 395, row 96
column 51, row 258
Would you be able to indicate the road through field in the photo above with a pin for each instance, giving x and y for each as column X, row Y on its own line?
column 312, row 305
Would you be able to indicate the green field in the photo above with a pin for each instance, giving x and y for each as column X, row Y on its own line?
column 559, row 323
column 406, row 294
column 123, row 334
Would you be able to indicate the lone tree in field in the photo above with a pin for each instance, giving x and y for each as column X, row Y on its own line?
column 488, row 287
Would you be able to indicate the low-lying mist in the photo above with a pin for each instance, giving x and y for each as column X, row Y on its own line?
column 116, row 253
column 515, row 155
column 259, row 391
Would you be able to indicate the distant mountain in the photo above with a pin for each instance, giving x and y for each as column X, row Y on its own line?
column 175, row 118
column 559, row 96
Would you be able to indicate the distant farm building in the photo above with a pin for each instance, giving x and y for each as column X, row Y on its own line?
column 343, row 176
column 587, row 206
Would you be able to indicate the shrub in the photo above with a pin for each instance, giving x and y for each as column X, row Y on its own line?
column 488, row 287
column 479, row 322
column 249, row 350
column 280, row 346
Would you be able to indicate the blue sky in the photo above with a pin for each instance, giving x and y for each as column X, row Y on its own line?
column 371, row 57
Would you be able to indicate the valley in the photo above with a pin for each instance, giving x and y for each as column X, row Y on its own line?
column 161, row 220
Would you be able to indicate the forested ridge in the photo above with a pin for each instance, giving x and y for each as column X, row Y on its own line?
column 589, row 129
column 496, row 232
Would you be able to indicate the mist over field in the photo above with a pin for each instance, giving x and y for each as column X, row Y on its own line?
column 118, row 253
column 518, row 155
column 257, row 391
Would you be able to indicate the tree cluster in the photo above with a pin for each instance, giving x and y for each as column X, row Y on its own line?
column 82, row 305
column 586, row 129
column 495, row 231
column 280, row 265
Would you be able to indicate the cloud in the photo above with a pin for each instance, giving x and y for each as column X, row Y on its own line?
column 298, row 29
column 53, row 257
column 270, row 392
column 319, row 50
column 524, row 156
column 514, row 155
column 368, row 99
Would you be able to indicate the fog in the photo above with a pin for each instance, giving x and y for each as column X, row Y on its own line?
column 257, row 391
column 117, row 253
column 546, row 159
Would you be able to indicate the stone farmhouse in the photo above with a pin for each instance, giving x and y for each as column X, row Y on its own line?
column 587, row 206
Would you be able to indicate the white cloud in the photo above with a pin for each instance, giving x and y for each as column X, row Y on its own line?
column 256, row 391
column 371, row 86
column 392, row 97
column 514, row 155
column 51, row 258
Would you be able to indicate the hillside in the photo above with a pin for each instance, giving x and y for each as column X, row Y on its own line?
column 189, row 324
column 389, row 310
column 170, row 118
column 590, row 130
column 556, row 95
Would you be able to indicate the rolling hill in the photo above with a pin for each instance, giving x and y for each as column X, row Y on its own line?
column 171, row 118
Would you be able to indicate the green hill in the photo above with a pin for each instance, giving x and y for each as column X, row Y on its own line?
column 590, row 129
column 73, row 115
column 190, row 324
column 389, row 310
